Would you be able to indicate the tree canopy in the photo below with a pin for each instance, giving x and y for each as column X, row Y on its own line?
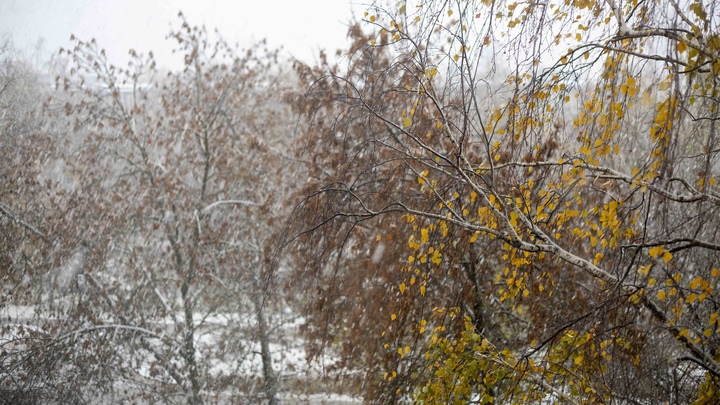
column 481, row 202
column 539, row 179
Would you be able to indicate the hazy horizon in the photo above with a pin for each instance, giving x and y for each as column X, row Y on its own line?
column 39, row 28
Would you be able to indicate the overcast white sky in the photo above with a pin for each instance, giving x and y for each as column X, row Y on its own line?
column 302, row 27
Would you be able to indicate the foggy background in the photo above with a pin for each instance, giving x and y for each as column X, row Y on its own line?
column 40, row 27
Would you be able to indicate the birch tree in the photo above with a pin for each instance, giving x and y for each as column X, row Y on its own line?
column 549, row 169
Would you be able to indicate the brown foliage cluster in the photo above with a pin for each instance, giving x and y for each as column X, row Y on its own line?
column 392, row 207
column 160, row 203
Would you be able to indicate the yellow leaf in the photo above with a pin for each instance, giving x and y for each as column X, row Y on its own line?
column 578, row 360
column 407, row 122
column 424, row 235
column 684, row 333
column 667, row 256
column 436, row 258
column 656, row 251
column 450, row 12
column 401, row 287
column 422, row 290
column 661, row 295
column 473, row 195
column 635, row 299
column 644, row 270
column 681, row 47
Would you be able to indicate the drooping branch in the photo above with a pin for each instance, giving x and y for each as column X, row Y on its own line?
column 23, row 223
column 230, row 202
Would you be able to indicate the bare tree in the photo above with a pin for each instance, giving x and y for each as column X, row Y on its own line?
column 165, row 194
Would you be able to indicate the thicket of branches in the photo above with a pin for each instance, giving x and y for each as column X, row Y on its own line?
column 524, row 202
column 140, row 211
column 482, row 202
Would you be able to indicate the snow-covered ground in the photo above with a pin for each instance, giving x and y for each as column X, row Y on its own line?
column 239, row 359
